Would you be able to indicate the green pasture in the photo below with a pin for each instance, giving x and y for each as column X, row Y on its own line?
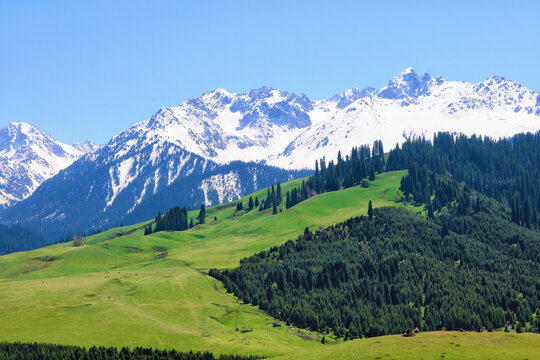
column 121, row 288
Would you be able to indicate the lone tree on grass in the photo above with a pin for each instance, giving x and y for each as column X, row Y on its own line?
column 370, row 210
column 77, row 241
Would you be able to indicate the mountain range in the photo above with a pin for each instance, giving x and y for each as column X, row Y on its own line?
column 291, row 131
column 220, row 146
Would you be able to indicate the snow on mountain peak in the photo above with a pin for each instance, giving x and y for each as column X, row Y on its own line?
column 28, row 157
column 349, row 96
column 267, row 124
column 407, row 84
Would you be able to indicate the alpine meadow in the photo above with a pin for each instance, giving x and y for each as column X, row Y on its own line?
column 385, row 213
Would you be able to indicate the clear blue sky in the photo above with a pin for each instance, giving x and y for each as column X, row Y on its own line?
column 88, row 69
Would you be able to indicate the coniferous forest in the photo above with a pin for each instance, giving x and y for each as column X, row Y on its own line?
column 398, row 270
column 16, row 238
column 507, row 170
column 32, row 351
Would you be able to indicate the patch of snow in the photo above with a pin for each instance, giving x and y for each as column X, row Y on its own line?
column 227, row 187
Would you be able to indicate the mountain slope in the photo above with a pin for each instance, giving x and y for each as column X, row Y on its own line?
column 28, row 157
column 104, row 187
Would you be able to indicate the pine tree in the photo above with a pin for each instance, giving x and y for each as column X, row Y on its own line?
column 191, row 224
column 527, row 213
column 429, row 207
column 278, row 193
column 304, row 190
column 444, row 230
column 239, row 206
column 370, row 210
column 274, row 208
column 516, row 213
column 371, row 173
column 250, row 203
column 202, row 214
column 256, row 201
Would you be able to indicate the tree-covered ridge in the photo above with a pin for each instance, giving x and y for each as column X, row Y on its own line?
column 35, row 351
column 507, row 170
column 395, row 271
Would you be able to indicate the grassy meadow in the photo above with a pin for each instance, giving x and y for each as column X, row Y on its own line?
column 121, row 288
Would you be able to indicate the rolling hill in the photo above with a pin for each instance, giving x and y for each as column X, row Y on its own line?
column 121, row 288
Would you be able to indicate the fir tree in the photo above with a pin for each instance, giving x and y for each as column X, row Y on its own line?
column 371, row 173
column 370, row 210
column 527, row 213
column 288, row 200
column 444, row 230
column 202, row 214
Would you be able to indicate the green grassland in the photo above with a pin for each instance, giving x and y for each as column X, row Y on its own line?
column 432, row 345
column 121, row 288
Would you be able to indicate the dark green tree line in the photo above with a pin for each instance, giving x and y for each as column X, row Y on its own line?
column 35, row 351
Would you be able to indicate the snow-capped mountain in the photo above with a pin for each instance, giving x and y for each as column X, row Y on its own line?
column 182, row 155
column 291, row 131
column 28, row 157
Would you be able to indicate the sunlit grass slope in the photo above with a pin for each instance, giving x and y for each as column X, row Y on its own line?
column 121, row 288
column 432, row 345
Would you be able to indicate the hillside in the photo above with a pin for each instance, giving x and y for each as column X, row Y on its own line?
column 394, row 270
column 121, row 288
column 431, row 345
column 140, row 290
